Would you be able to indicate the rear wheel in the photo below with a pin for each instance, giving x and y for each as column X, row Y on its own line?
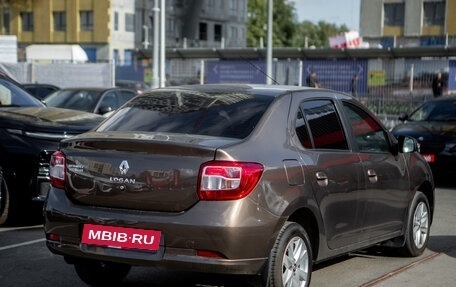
column 418, row 226
column 4, row 199
column 101, row 273
column 290, row 260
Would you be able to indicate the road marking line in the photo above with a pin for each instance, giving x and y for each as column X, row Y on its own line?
column 4, row 229
column 22, row 244
column 400, row 270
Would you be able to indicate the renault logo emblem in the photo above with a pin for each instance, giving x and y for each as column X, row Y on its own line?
column 123, row 167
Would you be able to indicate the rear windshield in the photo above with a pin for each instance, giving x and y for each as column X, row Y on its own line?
column 232, row 115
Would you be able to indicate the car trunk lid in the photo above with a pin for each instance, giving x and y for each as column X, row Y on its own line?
column 155, row 173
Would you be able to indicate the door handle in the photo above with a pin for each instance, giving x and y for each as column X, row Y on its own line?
column 322, row 178
column 372, row 175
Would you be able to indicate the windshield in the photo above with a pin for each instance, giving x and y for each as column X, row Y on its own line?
column 12, row 95
column 82, row 100
column 435, row 111
column 189, row 112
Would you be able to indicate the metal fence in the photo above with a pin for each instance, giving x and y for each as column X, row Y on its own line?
column 389, row 87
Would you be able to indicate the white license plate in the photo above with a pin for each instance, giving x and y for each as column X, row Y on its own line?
column 121, row 237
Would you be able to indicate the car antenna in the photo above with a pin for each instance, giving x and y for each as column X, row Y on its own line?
column 259, row 69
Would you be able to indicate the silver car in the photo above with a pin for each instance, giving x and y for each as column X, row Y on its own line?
column 235, row 179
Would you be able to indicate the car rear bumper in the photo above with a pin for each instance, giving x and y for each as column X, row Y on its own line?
column 243, row 235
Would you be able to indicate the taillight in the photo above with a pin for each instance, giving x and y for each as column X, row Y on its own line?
column 227, row 180
column 57, row 170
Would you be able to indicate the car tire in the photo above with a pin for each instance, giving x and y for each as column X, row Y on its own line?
column 101, row 273
column 290, row 260
column 418, row 227
column 4, row 199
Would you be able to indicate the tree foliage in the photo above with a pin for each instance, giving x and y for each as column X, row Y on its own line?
column 284, row 22
column 287, row 30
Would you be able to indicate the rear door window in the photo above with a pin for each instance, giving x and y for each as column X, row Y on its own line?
column 322, row 124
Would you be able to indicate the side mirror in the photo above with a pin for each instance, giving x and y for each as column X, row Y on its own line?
column 104, row 109
column 408, row 144
column 403, row 118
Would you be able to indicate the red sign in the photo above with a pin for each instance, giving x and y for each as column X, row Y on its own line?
column 121, row 237
column 429, row 157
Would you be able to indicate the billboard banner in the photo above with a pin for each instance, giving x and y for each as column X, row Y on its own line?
column 236, row 71
column 337, row 74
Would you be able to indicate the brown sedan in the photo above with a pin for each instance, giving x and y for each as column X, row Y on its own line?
column 235, row 179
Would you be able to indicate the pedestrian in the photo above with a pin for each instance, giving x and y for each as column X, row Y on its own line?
column 354, row 86
column 312, row 80
column 437, row 85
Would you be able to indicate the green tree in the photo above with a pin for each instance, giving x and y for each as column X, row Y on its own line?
column 287, row 31
column 284, row 22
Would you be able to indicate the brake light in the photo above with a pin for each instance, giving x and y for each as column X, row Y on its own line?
column 57, row 170
column 227, row 180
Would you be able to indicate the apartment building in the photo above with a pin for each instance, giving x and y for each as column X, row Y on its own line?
column 408, row 23
column 197, row 23
column 93, row 24
column 122, row 30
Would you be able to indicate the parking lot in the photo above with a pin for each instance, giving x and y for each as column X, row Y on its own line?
column 25, row 261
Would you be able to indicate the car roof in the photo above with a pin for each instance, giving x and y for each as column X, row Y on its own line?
column 271, row 90
column 39, row 85
column 97, row 89
column 444, row 98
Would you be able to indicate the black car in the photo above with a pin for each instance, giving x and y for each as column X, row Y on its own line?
column 40, row 90
column 93, row 100
column 29, row 133
column 433, row 124
column 236, row 179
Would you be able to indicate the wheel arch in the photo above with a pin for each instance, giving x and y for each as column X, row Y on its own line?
column 308, row 221
column 428, row 190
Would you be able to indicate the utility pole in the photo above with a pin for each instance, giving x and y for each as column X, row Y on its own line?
column 155, row 48
column 162, row 44
column 269, row 45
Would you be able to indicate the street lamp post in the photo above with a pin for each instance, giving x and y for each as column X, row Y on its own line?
column 269, row 45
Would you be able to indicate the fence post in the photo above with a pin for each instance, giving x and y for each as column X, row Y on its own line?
column 202, row 73
column 412, row 69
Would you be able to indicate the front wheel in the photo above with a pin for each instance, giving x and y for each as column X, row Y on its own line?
column 100, row 273
column 290, row 260
column 4, row 199
column 418, row 226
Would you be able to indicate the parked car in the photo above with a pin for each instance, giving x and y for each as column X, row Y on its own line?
column 40, row 90
column 433, row 124
column 139, row 87
column 29, row 134
column 238, row 179
column 93, row 100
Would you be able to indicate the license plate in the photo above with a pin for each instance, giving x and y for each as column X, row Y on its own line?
column 429, row 157
column 121, row 237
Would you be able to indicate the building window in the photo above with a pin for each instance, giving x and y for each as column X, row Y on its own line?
column 59, row 21
column 116, row 21
column 234, row 33
column 116, row 56
column 434, row 13
column 203, row 31
column 6, row 21
column 234, row 5
column 86, row 20
column 217, row 32
column 27, row 21
column 394, row 14
column 129, row 22
column 170, row 26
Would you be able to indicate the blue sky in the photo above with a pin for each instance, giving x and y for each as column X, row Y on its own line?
column 332, row 11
